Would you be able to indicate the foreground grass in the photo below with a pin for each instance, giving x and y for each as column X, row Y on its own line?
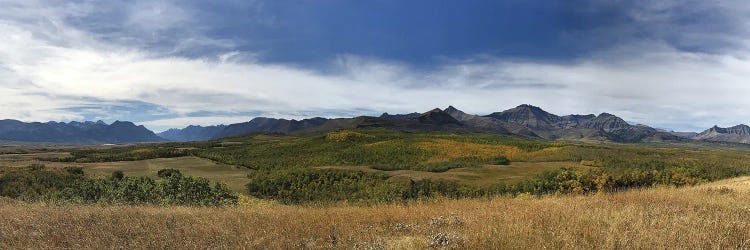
column 715, row 216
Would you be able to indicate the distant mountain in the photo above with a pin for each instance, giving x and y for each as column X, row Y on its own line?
column 270, row 125
column 192, row 133
column 604, row 126
column 524, row 120
column 119, row 132
column 736, row 134
column 606, row 122
column 437, row 117
column 686, row 135
column 400, row 116
column 529, row 116
column 488, row 123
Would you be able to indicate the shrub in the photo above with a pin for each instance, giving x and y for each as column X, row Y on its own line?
column 117, row 175
column 502, row 160
column 37, row 166
column 168, row 172
column 74, row 170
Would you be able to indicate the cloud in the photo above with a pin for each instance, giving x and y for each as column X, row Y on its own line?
column 54, row 70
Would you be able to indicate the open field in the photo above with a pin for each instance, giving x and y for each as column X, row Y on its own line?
column 235, row 177
column 474, row 176
column 710, row 216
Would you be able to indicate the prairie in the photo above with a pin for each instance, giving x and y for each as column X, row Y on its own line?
column 346, row 191
column 371, row 165
column 235, row 177
column 709, row 216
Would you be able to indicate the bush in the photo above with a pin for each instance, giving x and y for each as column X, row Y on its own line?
column 502, row 160
column 74, row 170
column 117, row 175
column 569, row 181
column 168, row 172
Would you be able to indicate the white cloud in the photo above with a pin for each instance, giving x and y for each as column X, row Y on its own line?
column 647, row 82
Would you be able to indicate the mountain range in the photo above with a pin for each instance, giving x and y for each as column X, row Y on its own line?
column 119, row 132
column 524, row 120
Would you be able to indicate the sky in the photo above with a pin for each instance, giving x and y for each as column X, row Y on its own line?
column 678, row 65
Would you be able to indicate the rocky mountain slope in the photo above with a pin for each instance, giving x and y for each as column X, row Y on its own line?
column 597, row 127
column 736, row 134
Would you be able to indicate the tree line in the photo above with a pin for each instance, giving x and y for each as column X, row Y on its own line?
column 37, row 183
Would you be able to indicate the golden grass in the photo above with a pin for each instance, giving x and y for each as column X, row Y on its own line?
column 446, row 150
column 345, row 135
column 712, row 216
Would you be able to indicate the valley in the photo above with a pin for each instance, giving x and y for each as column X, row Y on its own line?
column 337, row 166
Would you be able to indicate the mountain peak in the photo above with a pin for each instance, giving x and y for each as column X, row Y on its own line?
column 122, row 123
column 527, row 115
column 437, row 117
column 453, row 111
column 741, row 129
column 607, row 122
column 737, row 134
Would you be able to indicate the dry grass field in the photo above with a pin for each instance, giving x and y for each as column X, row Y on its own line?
column 710, row 216
column 235, row 177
